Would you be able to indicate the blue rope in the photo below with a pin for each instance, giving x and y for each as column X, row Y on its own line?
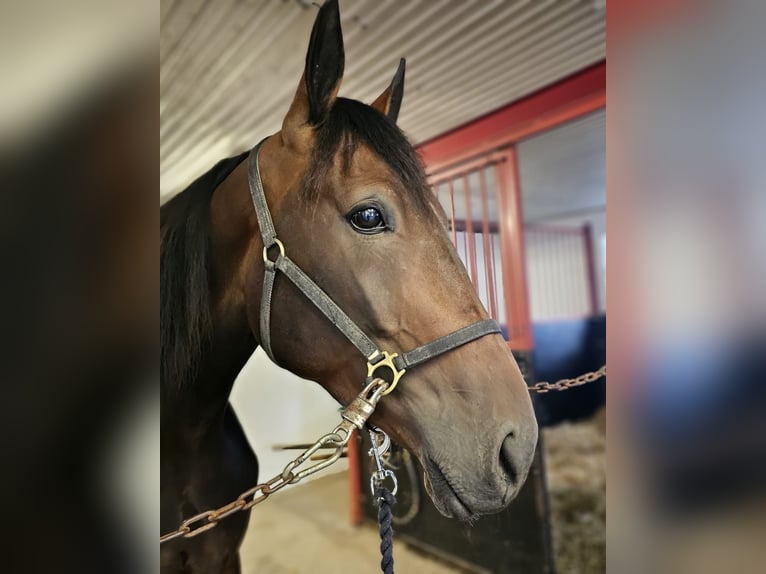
column 383, row 499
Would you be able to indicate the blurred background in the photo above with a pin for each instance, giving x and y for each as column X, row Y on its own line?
column 505, row 102
column 687, row 457
column 78, row 296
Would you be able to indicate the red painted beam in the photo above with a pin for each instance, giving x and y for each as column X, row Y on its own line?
column 587, row 231
column 354, row 480
column 561, row 102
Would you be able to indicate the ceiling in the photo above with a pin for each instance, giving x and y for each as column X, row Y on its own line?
column 229, row 68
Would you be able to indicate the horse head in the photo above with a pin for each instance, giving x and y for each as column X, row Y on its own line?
column 352, row 207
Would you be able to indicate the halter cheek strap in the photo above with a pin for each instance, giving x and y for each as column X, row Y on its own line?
column 376, row 359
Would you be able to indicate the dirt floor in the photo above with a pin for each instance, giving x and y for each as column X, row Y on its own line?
column 307, row 529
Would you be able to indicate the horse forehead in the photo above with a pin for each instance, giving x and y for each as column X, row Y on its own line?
column 364, row 163
column 366, row 167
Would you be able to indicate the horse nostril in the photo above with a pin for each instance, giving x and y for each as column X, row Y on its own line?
column 507, row 459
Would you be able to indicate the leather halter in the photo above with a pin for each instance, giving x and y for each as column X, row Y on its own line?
column 376, row 358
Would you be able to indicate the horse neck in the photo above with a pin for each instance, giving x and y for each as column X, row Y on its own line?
column 201, row 401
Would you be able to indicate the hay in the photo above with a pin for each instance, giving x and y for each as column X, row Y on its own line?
column 576, row 473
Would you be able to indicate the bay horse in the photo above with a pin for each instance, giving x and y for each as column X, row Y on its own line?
column 351, row 204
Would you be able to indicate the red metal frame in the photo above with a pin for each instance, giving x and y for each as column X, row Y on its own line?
column 354, row 479
column 559, row 103
column 587, row 231
column 512, row 252
column 491, row 139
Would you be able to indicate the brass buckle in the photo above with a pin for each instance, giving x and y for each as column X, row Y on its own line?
column 281, row 247
column 386, row 361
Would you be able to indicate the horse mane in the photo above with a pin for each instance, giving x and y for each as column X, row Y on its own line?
column 185, row 290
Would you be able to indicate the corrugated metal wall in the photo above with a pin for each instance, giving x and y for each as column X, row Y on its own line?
column 558, row 275
column 563, row 170
column 229, row 68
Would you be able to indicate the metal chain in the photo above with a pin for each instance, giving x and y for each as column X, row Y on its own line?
column 354, row 416
column 564, row 384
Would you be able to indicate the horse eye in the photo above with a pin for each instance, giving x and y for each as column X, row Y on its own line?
column 367, row 220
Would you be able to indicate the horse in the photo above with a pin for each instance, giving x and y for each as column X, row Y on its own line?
column 349, row 199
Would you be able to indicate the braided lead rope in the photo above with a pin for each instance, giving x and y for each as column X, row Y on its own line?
column 383, row 499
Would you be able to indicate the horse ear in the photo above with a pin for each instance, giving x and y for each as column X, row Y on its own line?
column 390, row 100
column 323, row 72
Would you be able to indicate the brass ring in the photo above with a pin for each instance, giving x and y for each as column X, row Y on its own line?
column 279, row 244
column 387, row 361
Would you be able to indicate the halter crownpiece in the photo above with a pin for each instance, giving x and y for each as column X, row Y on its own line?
column 376, row 358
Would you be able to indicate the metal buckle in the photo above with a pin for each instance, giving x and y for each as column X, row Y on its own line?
column 279, row 244
column 386, row 361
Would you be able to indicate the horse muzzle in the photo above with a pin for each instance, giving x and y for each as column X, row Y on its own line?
column 473, row 481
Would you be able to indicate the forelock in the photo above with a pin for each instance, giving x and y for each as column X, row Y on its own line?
column 350, row 124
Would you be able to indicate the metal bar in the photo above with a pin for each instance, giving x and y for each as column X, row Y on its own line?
column 452, row 211
column 590, row 263
column 471, row 240
column 487, row 246
column 354, row 480
column 494, row 266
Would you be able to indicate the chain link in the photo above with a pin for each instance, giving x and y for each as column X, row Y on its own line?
column 564, row 384
column 354, row 416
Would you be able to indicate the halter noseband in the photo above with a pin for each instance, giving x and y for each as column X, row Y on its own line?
column 376, row 358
